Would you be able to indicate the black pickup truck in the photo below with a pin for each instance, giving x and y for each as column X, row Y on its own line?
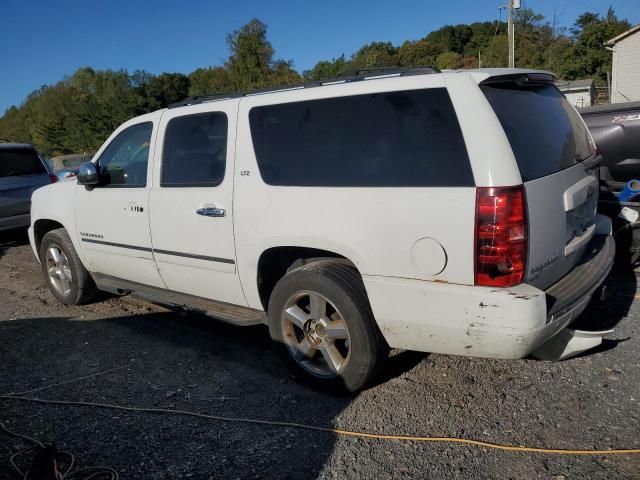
column 616, row 130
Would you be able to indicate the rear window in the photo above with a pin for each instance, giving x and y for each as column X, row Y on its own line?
column 20, row 161
column 545, row 132
column 392, row 139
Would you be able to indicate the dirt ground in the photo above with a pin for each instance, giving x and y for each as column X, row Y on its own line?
column 183, row 361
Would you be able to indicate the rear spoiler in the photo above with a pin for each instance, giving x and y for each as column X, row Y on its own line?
column 523, row 79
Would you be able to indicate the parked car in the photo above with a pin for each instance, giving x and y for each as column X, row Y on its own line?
column 67, row 166
column 22, row 171
column 449, row 212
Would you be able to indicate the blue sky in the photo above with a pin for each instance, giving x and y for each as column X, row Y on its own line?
column 42, row 41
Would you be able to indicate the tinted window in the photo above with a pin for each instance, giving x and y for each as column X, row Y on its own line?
column 20, row 161
column 195, row 150
column 124, row 161
column 391, row 139
column 545, row 132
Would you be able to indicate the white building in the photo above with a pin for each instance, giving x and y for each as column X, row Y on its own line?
column 625, row 78
column 579, row 93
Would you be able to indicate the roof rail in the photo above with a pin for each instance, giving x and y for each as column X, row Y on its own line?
column 354, row 76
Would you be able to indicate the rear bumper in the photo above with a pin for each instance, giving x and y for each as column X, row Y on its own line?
column 15, row 221
column 480, row 321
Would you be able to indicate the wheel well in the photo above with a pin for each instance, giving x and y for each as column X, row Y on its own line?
column 275, row 262
column 41, row 228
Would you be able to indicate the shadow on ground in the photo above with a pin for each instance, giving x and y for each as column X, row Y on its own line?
column 176, row 361
column 12, row 238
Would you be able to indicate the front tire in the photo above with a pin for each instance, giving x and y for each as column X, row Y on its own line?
column 63, row 271
column 321, row 321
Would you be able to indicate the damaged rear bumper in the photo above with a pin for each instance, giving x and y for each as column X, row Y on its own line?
column 485, row 322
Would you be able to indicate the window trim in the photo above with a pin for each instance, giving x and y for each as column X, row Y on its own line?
column 97, row 162
column 164, row 145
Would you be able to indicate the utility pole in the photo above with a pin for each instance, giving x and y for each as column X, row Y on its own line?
column 510, row 33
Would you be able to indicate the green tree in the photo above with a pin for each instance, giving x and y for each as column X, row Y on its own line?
column 165, row 89
column 449, row 60
column 209, row 80
column 326, row 69
column 417, row 54
column 588, row 57
column 375, row 54
column 251, row 57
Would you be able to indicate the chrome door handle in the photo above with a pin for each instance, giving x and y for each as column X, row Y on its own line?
column 211, row 212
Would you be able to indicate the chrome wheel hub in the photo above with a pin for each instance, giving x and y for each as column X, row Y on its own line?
column 58, row 270
column 316, row 334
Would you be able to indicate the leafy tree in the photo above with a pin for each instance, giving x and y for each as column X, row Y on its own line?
column 13, row 125
column 328, row 69
column 587, row 57
column 165, row 89
column 251, row 56
column 450, row 38
column 417, row 54
column 209, row 80
column 375, row 54
column 78, row 113
column 448, row 60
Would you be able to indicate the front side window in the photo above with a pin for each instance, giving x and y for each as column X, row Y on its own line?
column 195, row 150
column 124, row 161
column 388, row 139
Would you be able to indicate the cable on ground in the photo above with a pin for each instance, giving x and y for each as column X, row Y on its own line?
column 49, row 463
column 336, row 431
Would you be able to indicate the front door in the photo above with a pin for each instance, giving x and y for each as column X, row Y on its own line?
column 190, row 202
column 112, row 218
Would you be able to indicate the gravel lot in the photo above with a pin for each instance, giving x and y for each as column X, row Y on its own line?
column 183, row 361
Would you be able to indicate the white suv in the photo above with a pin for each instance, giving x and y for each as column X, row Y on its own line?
column 449, row 212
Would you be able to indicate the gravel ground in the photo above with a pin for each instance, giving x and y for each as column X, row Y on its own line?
column 183, row 361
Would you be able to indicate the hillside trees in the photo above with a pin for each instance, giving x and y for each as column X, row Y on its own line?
column 78, row 113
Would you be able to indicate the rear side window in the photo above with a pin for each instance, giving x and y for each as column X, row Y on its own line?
column 391, row 139
column 195, row 150
column 545, row 132
column 20, row 161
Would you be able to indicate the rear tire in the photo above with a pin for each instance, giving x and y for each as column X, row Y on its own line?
column 323, row 326
column 63, row 271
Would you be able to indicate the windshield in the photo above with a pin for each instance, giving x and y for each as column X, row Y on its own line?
column 545, row 132
column 20, row 161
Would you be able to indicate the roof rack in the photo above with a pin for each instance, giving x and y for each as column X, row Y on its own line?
column 355, row 76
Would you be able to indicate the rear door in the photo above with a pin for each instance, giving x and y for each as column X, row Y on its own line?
column 191, row 202
column 556, row 158
column 21, row 172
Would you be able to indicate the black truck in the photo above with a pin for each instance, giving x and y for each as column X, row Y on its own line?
column 616, row 130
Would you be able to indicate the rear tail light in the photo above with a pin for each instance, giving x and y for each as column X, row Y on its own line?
column 501, row 236
column 53, row 178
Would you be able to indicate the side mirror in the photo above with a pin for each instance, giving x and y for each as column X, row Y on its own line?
column 88, row 174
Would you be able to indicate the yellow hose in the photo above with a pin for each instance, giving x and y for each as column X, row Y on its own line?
column 336, row 431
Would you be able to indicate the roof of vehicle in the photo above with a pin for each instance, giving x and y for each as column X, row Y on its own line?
column 16, row 145
column 610, row 108
column 369, row 74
